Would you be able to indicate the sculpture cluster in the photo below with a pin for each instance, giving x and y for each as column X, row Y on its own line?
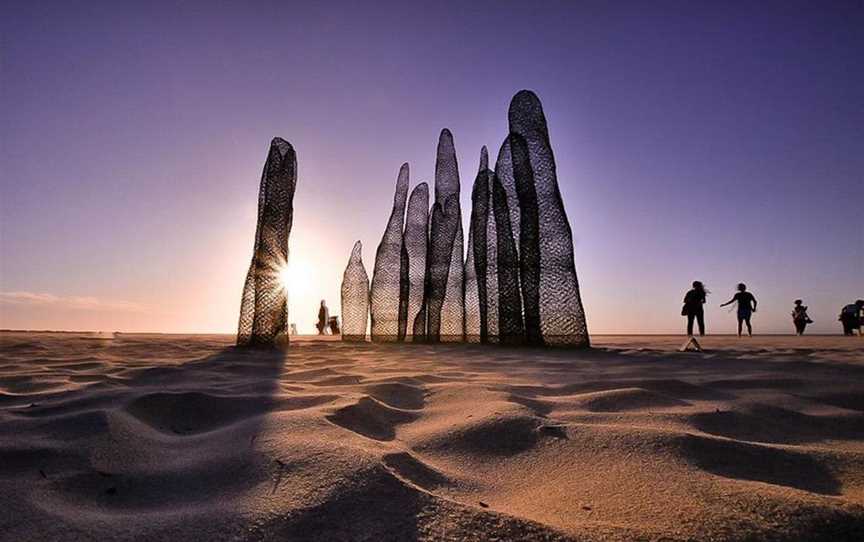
column 517, row 284
column 264, row 307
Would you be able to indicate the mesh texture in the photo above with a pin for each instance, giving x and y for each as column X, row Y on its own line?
column 355, row 297
column 452, row 325
column 264, row 305
column 387, row 275
column 413, row 264
column 476, row 298
column 517, row 283
column 445, row 221
column 550, row 287
column 509, row 328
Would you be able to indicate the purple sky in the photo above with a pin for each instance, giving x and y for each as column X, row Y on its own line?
column 716, row 141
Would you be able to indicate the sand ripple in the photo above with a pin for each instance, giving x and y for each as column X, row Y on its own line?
column 186, row 438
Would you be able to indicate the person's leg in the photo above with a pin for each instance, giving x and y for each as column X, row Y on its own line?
column 690, row 325
column 740, row 321
column 749, row 327
column 700, row 319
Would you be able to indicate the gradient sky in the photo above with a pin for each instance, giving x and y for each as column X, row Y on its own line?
column 720, row 141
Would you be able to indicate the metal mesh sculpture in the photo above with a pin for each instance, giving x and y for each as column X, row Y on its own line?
column 355, row 297
column 504, row 171
column 445, row 225
column 387, row 274
column 452, row 315
column 413, row 265
column 492, row 293
column 264, row 306
column 553, row 312
column 510, row 328
column 529, row 238
column 517, row 283
column 476, row 298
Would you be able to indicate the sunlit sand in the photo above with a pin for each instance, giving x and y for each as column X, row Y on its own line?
column 169, row 437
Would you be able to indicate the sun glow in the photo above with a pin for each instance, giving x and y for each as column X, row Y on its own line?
column 285, row 277
column 295, row 276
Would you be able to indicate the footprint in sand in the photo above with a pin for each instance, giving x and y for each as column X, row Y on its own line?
column 372, row 418
column 398, row 395
column 407, row 467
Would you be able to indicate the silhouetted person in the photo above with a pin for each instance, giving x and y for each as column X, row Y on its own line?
column 746, row 307
column 693, row 307
column 851, row 317
column 799, row 317
column 323, row 318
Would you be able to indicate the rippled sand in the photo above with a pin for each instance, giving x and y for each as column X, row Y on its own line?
column 168, row 437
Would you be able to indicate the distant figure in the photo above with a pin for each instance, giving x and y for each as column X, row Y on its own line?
column 323, row 318
column 799, row 317
column 746, row 307
column 693, row 309
column 851, row 317
column 333, row 322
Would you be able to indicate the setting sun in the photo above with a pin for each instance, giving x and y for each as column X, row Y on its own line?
column 295, row 276
column 285, row 276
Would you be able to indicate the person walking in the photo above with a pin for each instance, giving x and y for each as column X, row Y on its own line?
column 746, row 307
column 799, row 317
column 693, row 307
column 323, row 317
column 851, row 318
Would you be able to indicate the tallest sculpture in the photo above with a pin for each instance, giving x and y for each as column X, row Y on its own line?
column 551, row 302
column 264, row 308
column 446, row 322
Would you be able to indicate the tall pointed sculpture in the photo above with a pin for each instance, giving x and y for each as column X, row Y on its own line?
column 355, row 297
column 452, row 328
column 504, row 172
column 442, row 237
column 492, row 301
column 504, row 275
column 413, row 265
column 386, row 292
column 517, row 283
column 264, row 306
column 529, row 238
column 552, row 304
column 476, row 259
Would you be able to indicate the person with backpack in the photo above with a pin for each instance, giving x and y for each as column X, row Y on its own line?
column 693, row 307
column 851, row 317
column 800, row 318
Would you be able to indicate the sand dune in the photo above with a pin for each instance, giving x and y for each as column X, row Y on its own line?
column 186, row 438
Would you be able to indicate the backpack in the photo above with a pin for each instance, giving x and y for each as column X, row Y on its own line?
column 850, row 310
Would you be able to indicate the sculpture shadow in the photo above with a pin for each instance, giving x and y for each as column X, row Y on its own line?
column 106, row 438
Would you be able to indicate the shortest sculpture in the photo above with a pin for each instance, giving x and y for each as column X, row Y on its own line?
column 264, row 307
column 355, row 297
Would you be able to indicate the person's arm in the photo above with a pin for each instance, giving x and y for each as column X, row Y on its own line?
column 728, row 302
column 753, row 298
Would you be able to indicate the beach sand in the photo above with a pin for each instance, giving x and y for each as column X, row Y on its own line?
column 170, row 437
